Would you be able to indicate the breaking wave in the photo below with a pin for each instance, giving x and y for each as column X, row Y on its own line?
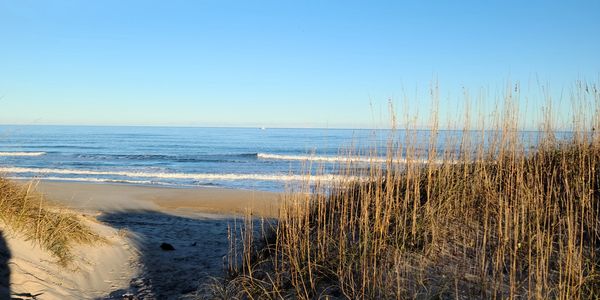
column 192, row 176
column 341, row 159
column 98, row 180
column 22, row 153
column 321, row 158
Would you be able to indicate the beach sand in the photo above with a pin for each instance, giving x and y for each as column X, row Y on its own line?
column 96, row 268
column 136, row 220
column 111, row 197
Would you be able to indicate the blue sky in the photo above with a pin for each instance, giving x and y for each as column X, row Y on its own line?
column 279, row 63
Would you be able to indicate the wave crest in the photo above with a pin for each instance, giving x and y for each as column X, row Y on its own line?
column 348, row 159
column 192, row 176
column 321, row 158
column 98, row 180
column 22, row 153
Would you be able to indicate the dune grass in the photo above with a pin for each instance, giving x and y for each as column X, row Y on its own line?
column 484, row 216
column 56, row 230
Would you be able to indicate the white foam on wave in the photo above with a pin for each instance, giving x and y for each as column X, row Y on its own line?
column 321, row 158
column 97, row 180
column 22, row 153
column 342, row 159
column 192, row 176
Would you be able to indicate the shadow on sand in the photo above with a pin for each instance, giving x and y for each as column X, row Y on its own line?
column 4, row 270
column 200, row 243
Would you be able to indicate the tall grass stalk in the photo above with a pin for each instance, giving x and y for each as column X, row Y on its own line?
column 485, row 216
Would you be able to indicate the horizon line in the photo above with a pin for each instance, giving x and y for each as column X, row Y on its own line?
column 265, row 127
column 189, row 126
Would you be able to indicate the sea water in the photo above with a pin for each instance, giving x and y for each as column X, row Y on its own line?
column 249, row 158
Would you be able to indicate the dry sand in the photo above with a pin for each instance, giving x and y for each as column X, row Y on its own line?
column 136, row 220
column 96, row 269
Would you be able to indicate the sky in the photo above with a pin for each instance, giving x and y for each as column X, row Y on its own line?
column 281, row 63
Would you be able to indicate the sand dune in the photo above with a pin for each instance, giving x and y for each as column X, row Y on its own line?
column 136, row 220
column 95, row 270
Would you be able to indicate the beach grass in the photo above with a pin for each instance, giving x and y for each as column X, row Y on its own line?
column 485, row 216
column 56, row 230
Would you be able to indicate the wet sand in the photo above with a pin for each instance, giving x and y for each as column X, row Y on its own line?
column 110, row 197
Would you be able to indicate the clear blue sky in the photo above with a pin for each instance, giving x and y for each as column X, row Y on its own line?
column 277, row 63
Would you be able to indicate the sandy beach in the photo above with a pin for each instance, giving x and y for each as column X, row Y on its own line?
column 136, row 220
column 112, row 197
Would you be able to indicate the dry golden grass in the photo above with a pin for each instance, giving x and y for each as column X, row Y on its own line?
column 24, row 211
column 495, row 221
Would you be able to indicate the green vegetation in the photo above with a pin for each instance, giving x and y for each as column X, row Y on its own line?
column 24, row 212
column 495, row 221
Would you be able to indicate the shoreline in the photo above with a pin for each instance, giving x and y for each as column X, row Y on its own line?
column 117, row 196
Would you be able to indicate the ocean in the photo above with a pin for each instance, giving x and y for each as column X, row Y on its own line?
column 271, row 159
column 249, row 158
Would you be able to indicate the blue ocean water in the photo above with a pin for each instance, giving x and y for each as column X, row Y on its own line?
column 250, row 158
